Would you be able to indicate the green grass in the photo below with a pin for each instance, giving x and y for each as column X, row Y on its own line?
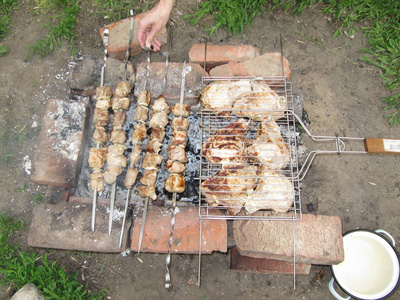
column 116, row 10
column 6, row 9
column 61, row 26
column 20, row 267
column 379, row 20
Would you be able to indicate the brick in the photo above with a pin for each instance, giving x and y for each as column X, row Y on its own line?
column 59, row 149
column 118, row 38
column 68, row 226
column 56, row 194
column 186, row 232
column 247, row 264
column 318, row 239
column 268, row 64
column 221, row 54
column 86, row 74
column 193, row 81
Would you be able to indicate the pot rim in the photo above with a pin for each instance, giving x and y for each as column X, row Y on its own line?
column 395, row 252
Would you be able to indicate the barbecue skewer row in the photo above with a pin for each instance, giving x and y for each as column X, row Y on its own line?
column 101, row 118
column 137, row 137
column 175, row 183
column 116, row 161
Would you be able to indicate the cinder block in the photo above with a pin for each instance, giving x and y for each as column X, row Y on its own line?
column 217, row 55
column 59, row 149
column 118, row 38
column 247, row 264
column 268, row 64
column 318, row 239
column 67, row 225
column 157, row 231
column 193, row 82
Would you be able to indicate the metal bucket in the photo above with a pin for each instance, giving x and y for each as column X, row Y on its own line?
column 371, row 268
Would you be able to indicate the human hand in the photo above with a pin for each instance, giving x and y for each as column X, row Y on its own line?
column 152, row 22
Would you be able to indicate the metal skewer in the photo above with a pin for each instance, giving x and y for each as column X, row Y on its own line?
column 168, row 283
column 114, row 186
column 146, row 201
column 103, row 69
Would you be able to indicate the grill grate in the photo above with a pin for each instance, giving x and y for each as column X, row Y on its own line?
column 248, row 165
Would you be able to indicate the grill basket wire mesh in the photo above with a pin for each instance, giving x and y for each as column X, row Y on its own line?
column 241, row 183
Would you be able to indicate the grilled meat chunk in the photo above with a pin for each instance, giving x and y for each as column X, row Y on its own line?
column 111, row 174
column 97, row 181
column 175, row 183
column 147, row 191
column 151, row 161
column 97, row 158
column 119, row 119
column 181, row 110
column 227, row 145
column 141, row 113
column 139, row 133
column 177, row 153
column 130, row 178
column 153, row 146
column 269, row 148
column 116, row 149
column 144, row 98
column 120, row 103
column 230, row 187
column 179, row 137
column 149, row 177
column 159, row 119
column 274, row 191
column 117, row 136
column 100, row 135
column 122, row 89
column 103, row 92
column 134, row 158
column 116, row 161
column 157, row 133
column 179, row 123
column 101, row 117
column 175, row 166
column 160, row 105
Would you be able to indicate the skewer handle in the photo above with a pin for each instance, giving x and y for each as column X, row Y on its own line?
column 382, row 146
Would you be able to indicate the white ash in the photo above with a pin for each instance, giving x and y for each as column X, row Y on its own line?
column 27, row 165
column 67, row 130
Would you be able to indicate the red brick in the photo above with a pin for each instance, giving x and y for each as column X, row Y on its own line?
column 59, row 149
column 318, row 239
column 118, row 38
column 268, row 64
column 186, row 232
column 67, row 225
column 263, row 265
column 221, row 54
column 193, row 82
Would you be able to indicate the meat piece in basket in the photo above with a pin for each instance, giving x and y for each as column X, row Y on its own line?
column 274, row 191
column 227, row 145
column 230, row 187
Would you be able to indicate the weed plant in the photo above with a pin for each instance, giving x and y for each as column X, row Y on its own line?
column 63, row 20
column 6, row 9
column 20, row 267
column 116, row 10
column 379, row 19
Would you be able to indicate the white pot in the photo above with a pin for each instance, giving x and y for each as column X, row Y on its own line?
column 370, row 269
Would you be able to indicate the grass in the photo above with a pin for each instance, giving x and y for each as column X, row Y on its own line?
column 379, row 20
column 20, row 267
column 6, row 9
column 116, row 10
column 61, row 26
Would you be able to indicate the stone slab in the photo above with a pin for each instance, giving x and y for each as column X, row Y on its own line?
column 193, row 81
column 68, row 226
column 118, row 38
column 268, row 64
column 157, row 231
column 85, row 76
column 59, row 149
column 247, row 264
column 217, row 55
column 318, row 239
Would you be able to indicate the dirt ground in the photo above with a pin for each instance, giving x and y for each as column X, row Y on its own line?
column 341, row 96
